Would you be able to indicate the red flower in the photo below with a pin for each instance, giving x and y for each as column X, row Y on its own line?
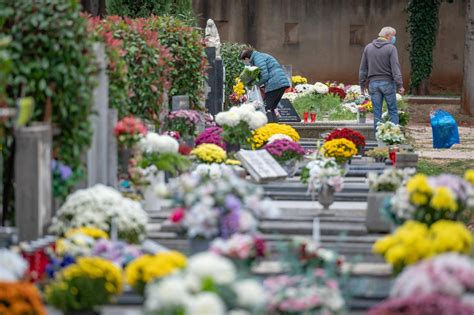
column 260, row 246
column 184, row 149
column 337, row 91
column 356, row 137
column 177, row 215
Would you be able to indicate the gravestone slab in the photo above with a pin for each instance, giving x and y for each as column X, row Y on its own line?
column 287, row 112
column 261, row 165
column 179, row 102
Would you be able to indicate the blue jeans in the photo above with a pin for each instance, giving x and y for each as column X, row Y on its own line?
column 378, row 91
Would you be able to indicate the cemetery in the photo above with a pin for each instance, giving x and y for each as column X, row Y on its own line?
column 141, row 173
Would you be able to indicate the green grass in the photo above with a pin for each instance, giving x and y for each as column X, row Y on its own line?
column 432, row 167
column 323, row 104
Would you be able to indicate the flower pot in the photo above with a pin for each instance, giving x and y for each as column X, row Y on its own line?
column 198, row 245
column 151, row 201
column 374, row 220
column 290, row 167
column 326, row 196
column 81, row 313
column 124, row 156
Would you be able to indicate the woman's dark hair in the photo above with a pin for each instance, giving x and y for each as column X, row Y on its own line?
column 246, row 53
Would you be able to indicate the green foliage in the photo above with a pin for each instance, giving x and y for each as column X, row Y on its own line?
column 52, row 62
column 423, row 25
column 323, row 104
column 189, row 58
column 230, row 53
column 237, row 135
column 173, row 163
column 146, row 8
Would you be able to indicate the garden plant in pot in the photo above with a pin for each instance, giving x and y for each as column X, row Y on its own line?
column 128, row 131
column 287, row 152
column 345, row 133
column 390, row 134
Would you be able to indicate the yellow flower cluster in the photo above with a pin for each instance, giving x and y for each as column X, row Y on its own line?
column 414, row 241
column 340, row 149
column 147, row 268
column 369, row 106
column 238, row 88
column 443, row 199
column 297, row 79
column 92, row 268
column 422, row 194
column 93, row 232
column 209, row 153
column 232, row 162
column 262, row 134
column 469, row 176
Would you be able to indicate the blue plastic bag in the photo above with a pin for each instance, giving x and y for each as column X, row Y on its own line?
column 445, row 129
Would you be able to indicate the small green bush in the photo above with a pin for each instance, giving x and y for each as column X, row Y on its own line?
column 230, row 53
column 146, row 8
column 323, row 104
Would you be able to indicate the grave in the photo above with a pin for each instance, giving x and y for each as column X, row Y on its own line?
column 288, row 113
column 261, row 166
column 317, row 129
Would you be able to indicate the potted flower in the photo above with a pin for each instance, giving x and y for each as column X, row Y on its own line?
column 324, row 177
column 238, row 124
column 209, row 153
column 273, row 131
column 356, row 137
column 250, row 76
column 184, row 122
column 238, row 95
column 380, row 155
column 20, row 298
column 342, row 150
column 287, row 153
column 128, row 131
column 211, row 135
column 382, row 187
column 83, row 287
column 297, row 79
column 390, row 134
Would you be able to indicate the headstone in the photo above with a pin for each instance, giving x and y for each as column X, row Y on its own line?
column 287, row 112
column 261, row 165
column 33, row 179
column 179, row 102
column 112, row 149
column 97, row 156
column 214, row 83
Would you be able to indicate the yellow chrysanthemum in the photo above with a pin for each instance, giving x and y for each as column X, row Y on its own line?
column 238, row 88
column 444, row 199
column 419, row 183
column 261, row 135
column 469, row 176
column 209, row 153
column 89, row 231
column 232, row 162
column 297, row 79
column 340, row 149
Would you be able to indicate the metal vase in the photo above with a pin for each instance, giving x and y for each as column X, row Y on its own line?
column 326, row 196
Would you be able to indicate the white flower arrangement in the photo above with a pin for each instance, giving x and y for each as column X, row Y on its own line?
column 12, row 266
column 351, row 106
column 214, row 170
column 389, row 181
column 250, row 294
column 208, row 265
column 101, row 206
column 155, row 143
column 291, row 96
column 206, row 303
column 279, row 136
column 305, row 89
column 76, row 245
column 247, row 113
column 324, row 172
column 389, row 133
column 321, row 88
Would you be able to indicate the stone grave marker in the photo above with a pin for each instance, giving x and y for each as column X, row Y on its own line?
column 287, row 112
column 261, row 165
column 179, row 102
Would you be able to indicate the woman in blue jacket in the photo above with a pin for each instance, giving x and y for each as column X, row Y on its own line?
column 272, row 76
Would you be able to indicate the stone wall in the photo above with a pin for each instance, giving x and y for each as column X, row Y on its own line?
column 324, row 39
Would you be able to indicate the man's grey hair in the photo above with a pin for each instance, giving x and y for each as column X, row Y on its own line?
column 387, row 30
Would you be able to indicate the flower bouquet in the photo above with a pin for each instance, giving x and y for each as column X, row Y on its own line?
column 183, row 121
column 403, row 117
column 353, row 94
column 129, row 131
column 303, row 295
column 379, row 154
column 101, row 207
column 206, row 208
column 240, row 248
column 162, row 152
column 337, row 91
column 297, row 79
column 209, row 285
column 415, row 241
column 13, row 267
column 305, row 89
column 263, row 134
column 238, row 95
column 287, row 153
column 239, row 122
column 250, row 76
column 79, row 242
column 340, row 149
column 443, row 283
column 211, row 135
column 389, row 181
column 322, row 172
column 148, row 268
column 429, row 199
column 85, row 285
column 209, row 153
column 321, row 88
column 20, row 298
column 356, row 137
column 389, row 133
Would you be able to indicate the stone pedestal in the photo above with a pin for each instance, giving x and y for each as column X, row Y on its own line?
column 33, row 191
column 374, row 221
column 215, row 82
column 406, row 160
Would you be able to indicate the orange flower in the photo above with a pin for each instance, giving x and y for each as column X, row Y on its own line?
column 20, row 298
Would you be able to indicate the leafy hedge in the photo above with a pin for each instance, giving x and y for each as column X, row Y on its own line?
column 230, row 53
column 53, row 62
column 146, row 8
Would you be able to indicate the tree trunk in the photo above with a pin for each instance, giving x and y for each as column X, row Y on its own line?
column 468, row 83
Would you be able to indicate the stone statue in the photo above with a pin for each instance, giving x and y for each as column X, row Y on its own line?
column 212, row 37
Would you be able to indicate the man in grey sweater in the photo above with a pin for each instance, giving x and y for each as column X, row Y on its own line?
column 380, row 71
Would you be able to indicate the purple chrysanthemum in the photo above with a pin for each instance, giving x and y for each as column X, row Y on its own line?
column 211, row 135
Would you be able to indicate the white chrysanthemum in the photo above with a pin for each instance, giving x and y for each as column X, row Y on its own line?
column 12, row 266
column 305, row 89
column 279, row 136
column 290, row 96
column 169, row 292
column 257, row 120
column 209, row 265
column 321, row 88
column 230, row 118
column 250, row 293
column 206, row 303
column 155, row 143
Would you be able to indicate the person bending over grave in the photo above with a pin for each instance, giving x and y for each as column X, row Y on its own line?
column 272, row 77
column 380, row 71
